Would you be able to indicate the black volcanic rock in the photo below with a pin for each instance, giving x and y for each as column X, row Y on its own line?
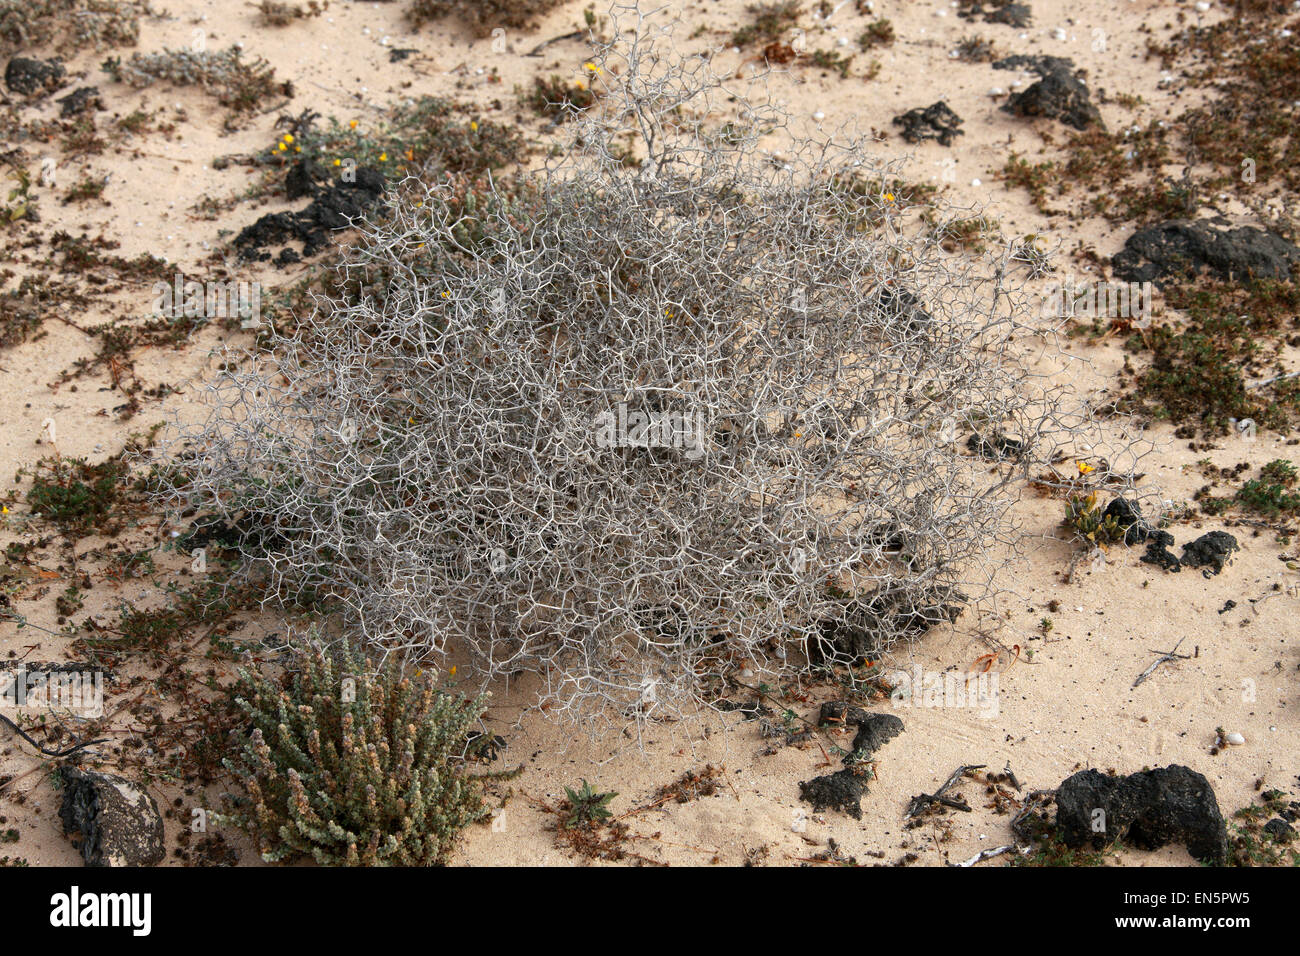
column 935, row 121
column 114, row 822
column 27, row 76
column 1059, row 93
column 1182, row 247
column 1211, row 551
column 333, row 206
column 1148, row 809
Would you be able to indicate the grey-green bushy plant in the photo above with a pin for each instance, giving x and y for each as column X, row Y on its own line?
column 352, row 764
column 70, row 24
column 482, row 16
column 456, row 458
column 235, row 82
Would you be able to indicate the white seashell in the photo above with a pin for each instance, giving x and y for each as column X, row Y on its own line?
column 1234, row 739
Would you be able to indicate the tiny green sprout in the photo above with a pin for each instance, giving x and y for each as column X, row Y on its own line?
column 21, row 193
column 587, row 805
column 1046, row 625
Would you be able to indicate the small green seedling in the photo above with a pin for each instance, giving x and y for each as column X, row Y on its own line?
column 587, row 805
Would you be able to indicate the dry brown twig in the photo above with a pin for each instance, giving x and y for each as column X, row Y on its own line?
column 1170, row 655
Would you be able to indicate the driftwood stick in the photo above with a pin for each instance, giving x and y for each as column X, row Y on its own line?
column 957, row 775
column 940, row 796
column 986, row 854
column 1270, row 381
column 537, row 50
column 1172, row 655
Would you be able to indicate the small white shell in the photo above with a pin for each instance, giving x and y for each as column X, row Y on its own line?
column 1234, row 739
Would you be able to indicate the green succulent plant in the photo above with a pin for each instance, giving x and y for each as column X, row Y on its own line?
column 352, row 764
column 1090, row 522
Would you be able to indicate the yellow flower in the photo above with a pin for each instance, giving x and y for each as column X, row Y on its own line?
column 473, row 125
column 338, row 162
column 578, row 84
column 410, row 421
column 288, row 137
column 798, row 434
column 1084, row 467
column 889, row 197
column 446, row 295
column 591, row 67
column 283, row 147
column 297, row 149
column 353, row 124
column 453, row 670
column 383, row 157
column 5, row 509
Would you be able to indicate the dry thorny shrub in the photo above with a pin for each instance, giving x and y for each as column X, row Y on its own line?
column 439, row 460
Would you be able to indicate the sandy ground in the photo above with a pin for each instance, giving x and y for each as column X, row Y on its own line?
column 1071, row 707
